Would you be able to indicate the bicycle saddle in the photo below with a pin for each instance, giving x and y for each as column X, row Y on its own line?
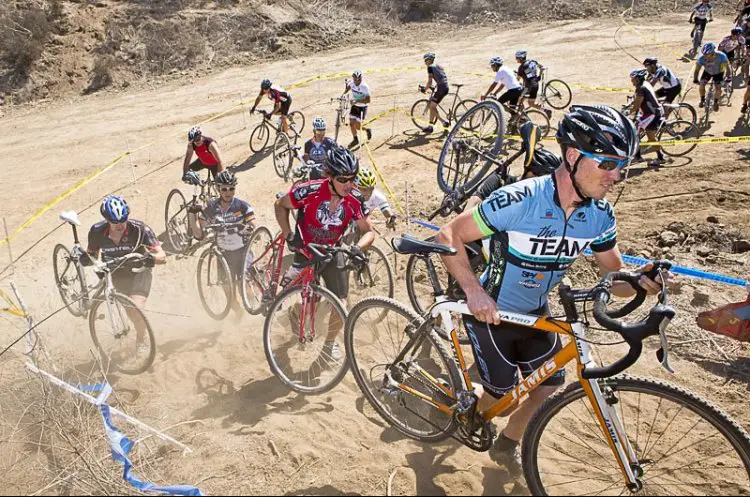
column 457, row 85
column 70, row 217
column 530, row 136
column 409, row 245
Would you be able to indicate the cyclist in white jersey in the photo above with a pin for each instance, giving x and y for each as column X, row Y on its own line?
column 504, row 78
column 671, row 86
column 362, row 96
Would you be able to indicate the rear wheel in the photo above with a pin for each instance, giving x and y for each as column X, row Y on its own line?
column 215, row 286
column 557, row 94
column 678, row 130
column 683, row 444
column 420, row 114
column 471, row 147
column 538, row 118
column 282, row 156
column 462, row 108
column 297, row 121
column 70, row 281
column 259, row 273
column 686, row 112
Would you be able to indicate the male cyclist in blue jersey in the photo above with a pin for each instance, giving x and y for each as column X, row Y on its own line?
column 538, row 228
column 316, row 149
column 714, row 64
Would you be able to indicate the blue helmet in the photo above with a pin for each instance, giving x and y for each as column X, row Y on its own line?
column 114, row 209
column 708, row 48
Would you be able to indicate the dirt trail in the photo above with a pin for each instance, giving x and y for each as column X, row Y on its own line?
column 216, row 373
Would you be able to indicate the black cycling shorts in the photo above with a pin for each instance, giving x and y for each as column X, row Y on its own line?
column 500, row 351
column 717, row 78
column 702, row 23
column 669, row 94
column 358, row 113
column 197, row 165
column 511, row 97
column 440, row 93
column 334, row 274
column 730, row 55
column 130, row 283
column 532, row 88
column 284, row 107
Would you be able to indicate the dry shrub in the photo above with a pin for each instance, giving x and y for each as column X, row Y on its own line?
column 102, row 73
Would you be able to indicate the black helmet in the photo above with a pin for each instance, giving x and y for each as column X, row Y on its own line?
column 598, row 129
column 650, row 61
column 639, row 75
column 544, row 162
column 226, row 177
column 266, row 84
column 341, row 161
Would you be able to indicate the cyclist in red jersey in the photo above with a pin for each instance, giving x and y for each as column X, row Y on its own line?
column 207, row 150
column 282, row 101
column 325, row 209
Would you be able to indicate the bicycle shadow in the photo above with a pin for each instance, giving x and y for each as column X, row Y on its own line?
column 253, row 160
column 741, row 128
column 744, row 154
column 416, row 139
column 192, row 344
column 252, row 403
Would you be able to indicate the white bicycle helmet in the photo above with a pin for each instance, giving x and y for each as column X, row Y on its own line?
column 319, row 124
column 496, row 61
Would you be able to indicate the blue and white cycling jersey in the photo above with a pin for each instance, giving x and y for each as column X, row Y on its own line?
column 702, row 10
column 716, row 66
column 532, row 244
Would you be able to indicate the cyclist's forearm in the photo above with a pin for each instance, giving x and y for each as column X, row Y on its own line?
column 160, row 257
column 367, row 239
column 282, row 217
column 458, row 265
column 186, row 162
column 489, row 90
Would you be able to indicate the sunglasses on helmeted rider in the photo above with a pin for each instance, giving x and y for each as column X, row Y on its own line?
column 346, row 179
column 227, row 188
column 606, row 163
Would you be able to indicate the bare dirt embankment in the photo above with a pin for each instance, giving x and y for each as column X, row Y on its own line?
column 250, row 435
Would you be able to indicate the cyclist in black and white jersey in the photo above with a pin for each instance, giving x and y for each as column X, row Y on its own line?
column 648, row 113
column 702, row 14
column 671, row 86
column 436, row 74
column 316, row 149
column 504, row 78
column 362, row 96
column 530, row 71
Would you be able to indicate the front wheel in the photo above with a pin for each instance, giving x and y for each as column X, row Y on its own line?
column 557, row 94
column 462, row 108
column 683, row 444
column 259, row 137
column 177, row 222
column 282, row 156
column 394, row 388
column 678, row 130
column 303, row 339
column 375, row 279
column 215, row 286
column 70, row 280
column 122, row 334
column 297, row 121
column 420, row 114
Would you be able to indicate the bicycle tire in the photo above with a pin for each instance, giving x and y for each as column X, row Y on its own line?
column 484, row 112
column 412, row 277
column 371, row 275
column 420, row 114
column 463, row 107
column 678, row 130
column 274, row 357
column 174, row 221
column 75, row 303
column 225, row 281
column 107, row 361
column 297, row 121
column 686, row 112
column 282, row 156
column 537, row 117
column 259, row 137
column 252, row 277
column 362, row 371
column 557, row 94
column 561, row 403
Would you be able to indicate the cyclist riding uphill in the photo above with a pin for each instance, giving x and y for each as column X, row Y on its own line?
column 118, row 236
column 282, row 101
column 436, row 74
column 671, row 86
column 538, row 228
column 702, row 14
column 317, row 147
column 506, row 79
column 325, row 209
column 207, row 150
column 648, row 113
column 714, row 64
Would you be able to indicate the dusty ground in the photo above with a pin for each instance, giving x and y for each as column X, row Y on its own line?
column 215, row 374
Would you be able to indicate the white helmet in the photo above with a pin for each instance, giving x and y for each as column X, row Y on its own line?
column 521, row 54
column 319, row 124
column 496, row 61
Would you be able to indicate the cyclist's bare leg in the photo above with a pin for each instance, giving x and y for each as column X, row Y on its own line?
column 285, row 124
column 521, row 416
column 702, row 90
column 746, row 99
column 335, row 323
column 651, row 136
column 355, row 126
column 433, row 112
column 135, row 317
column 717, row 92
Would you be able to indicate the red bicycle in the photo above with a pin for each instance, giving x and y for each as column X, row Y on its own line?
column 303, row 332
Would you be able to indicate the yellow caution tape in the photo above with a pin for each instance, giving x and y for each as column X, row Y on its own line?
column 699, row 141
column 382, row 179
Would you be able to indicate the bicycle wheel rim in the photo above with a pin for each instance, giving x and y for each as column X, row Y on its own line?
column 663, row 438
column 678, row 130
column 68, row 280
column 686, row 112
column 372, row 344
column 539, row 118
column 215, row 287
column 462, row 108
column 257, row 277
column 420, row 114
column 259, row 138
column 176, row 221
column 481, row 127
column 282, row 157
column 557, row 94
column 115, row 335
column 297, row 121
column 305, row 365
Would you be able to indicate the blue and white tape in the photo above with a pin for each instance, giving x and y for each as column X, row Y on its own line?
column 639, row 261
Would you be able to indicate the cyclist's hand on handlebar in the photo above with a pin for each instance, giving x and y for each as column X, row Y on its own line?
column 482, row 306
column 391, row 222
column 654, row 286
column 358, row 259
column 293, row 241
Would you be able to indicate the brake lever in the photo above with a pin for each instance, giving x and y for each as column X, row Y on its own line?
column 663, row 353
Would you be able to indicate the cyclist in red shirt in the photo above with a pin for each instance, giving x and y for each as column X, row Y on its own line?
column 207, row 150
column 282, row 101
column 325, row 209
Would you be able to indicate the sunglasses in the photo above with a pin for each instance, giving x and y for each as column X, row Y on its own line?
column 226, row 189
column 345, row 180
column 606, row 163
